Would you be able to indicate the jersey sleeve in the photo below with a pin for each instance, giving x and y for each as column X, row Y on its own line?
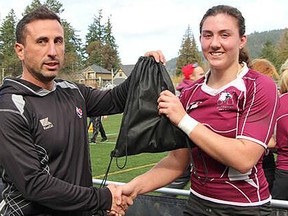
column 257, row 121
column 112, row 101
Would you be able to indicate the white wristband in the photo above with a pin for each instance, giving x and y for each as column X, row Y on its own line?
column 187, row 124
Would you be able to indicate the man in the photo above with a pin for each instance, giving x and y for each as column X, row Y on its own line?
column 97, row 125
column 44, row 144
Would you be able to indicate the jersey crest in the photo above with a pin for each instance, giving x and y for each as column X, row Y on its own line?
column 225, row 101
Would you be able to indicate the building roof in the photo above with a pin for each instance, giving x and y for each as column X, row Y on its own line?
column 98, row 69
column 127, row 69
column 118, row 81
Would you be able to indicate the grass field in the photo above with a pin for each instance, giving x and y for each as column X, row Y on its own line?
column 100, row 156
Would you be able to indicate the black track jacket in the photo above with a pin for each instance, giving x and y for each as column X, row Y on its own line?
column 44, row 146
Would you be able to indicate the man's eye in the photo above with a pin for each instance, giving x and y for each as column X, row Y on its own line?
column 41, row 41
column 59, row 41
column 207, row 35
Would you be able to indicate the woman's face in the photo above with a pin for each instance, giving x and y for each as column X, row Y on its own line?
column 220, row 41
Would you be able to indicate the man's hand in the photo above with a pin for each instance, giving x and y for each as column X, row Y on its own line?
column 157, row 55
column 120, row 203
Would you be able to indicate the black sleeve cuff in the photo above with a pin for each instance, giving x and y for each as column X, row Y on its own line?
column 105, row 198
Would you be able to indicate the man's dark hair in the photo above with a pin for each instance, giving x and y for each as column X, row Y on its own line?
column 41, row 13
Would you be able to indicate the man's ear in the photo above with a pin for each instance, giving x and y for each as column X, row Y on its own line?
column 19, row 49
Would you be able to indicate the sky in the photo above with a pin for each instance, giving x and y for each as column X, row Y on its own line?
column 144, row 25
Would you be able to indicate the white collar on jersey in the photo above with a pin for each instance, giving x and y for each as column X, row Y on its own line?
column 236, row 82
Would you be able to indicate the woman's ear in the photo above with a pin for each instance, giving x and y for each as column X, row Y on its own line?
column 243, row 41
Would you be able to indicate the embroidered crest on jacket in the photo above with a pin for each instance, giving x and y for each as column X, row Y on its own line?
column 46, row 124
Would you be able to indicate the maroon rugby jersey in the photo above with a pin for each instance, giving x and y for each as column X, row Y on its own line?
column 282, row 133
column 244, row 108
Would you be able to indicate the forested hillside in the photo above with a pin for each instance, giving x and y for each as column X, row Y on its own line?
column 257, row 40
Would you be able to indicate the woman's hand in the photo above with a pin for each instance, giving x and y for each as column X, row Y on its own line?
column 157, row 55
column 170, row 105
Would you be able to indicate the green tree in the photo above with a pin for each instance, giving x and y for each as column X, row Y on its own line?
column 269, row 52
column 283, row 47
column 101, row 45
column 188, row 52
column 93, row 50
column 96, row 29
column 95, row 41
column 10, row 63
column 29, row 8
column 73, row 49
column 53, row 5
column 111, row 57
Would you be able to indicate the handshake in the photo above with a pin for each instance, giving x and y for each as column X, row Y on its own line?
column 122, row 198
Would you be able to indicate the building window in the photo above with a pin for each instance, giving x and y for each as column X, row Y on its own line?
column 91, row 75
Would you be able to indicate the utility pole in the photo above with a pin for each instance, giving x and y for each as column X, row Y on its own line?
column 112, row 77
column 3, row 69
column 2, row 76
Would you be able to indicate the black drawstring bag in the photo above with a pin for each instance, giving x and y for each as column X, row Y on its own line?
column 142, row 128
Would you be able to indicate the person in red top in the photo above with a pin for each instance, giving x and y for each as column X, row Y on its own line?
column 280, row 186
column 191, row 72
column 230, row 115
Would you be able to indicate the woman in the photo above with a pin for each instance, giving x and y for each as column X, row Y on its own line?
column 229, row 115
column 280, row 186
column 266, row 67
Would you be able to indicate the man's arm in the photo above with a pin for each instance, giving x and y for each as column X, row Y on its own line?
column 163, row 173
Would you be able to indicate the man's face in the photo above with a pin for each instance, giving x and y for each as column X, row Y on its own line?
column 42, row 54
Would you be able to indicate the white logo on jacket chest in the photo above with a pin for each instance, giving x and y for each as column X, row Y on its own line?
column 46, row 124
column 79, row 112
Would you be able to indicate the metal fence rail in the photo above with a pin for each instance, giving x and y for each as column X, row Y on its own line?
column 274, row 203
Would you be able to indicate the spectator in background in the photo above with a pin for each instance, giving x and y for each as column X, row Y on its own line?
column 284, row 66
column 97, row 127
column 191, row 73
column 265, row 67
column 280, row 186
